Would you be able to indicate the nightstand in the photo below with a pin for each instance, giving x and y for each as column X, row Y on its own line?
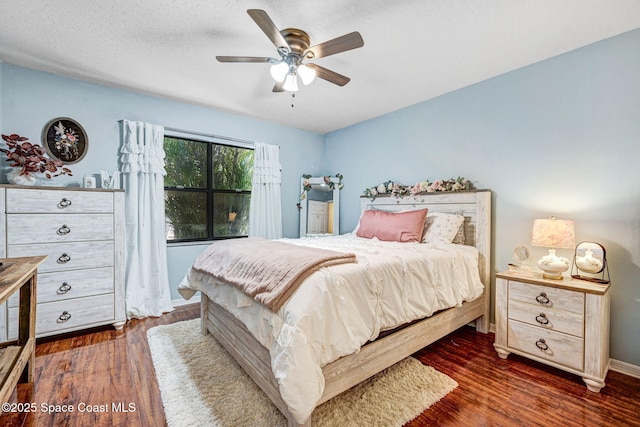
column 562, row 323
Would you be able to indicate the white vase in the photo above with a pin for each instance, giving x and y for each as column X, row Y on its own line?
column 553, row 265
column 14, row 177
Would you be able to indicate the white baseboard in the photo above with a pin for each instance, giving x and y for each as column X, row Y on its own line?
column 181, row 301
column 624, row 368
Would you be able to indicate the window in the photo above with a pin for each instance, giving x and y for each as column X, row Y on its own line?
column 207, row 189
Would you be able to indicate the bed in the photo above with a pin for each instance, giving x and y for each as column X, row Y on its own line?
column 260, row 340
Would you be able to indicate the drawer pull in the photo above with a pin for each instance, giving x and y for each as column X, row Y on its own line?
column 64, row 288
column 64, row 203
column 63, row 230
column 542, row 298
column 542, row 345
column 63, row 259
column 64, row 317
column 542, row 319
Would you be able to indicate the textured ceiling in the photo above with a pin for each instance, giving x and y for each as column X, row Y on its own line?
column 414, row 49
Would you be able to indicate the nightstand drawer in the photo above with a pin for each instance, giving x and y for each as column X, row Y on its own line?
column 58, row 316
column 548, row 318
column 50, row 228
column 547, row 297
column 34, row 200
column 63, row 285
column 553, row 346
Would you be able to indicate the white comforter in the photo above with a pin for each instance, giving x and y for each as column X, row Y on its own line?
column 338, row 309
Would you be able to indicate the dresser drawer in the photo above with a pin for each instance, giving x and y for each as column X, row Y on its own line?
column 59, row 316
column 21, row 200
column 547, row 297
column 71, row 284
column 559, row 348
column 547, row 317
column 53, row 228
column 67, row 256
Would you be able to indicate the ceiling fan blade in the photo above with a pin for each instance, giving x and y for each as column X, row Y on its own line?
column 330, row 76
column 337, row 45
column 278, row 87
column 266, row 24
column 245, row 59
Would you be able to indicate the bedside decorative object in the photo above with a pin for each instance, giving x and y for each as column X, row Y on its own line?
column 553, row 233
column 591, row 258
column 562, row 323
column 28, row 160
column 521, row 255
column 65, row 140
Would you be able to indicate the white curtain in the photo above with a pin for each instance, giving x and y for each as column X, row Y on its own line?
column 142, row 166
column 265, row 211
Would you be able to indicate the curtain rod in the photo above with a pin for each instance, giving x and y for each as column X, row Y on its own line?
column 208, row 135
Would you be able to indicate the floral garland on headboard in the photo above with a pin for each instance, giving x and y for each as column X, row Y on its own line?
column 398, row 190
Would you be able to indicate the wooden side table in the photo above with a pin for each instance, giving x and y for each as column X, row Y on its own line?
column 17, row 358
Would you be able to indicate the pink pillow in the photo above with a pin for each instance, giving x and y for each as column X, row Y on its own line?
column 392, row 226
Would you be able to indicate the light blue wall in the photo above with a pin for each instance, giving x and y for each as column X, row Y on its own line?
column 561, row 137
column 29, row 99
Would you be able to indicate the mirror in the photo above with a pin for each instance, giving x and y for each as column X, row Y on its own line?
column 319, row 206
column 521, row 255
column 591, row 258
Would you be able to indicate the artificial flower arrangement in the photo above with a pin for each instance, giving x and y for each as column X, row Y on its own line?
column 30, row 158
column 399, row 190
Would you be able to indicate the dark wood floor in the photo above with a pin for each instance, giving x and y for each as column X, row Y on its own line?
column 103, row 368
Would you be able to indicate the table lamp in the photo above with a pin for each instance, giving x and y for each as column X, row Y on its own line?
column 553, row 233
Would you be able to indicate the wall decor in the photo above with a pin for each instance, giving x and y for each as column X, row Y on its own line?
column 65, row 140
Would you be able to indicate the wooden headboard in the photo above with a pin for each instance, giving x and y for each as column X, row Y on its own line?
column 474, row 205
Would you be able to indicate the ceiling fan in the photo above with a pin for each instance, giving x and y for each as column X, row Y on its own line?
column 293, row 49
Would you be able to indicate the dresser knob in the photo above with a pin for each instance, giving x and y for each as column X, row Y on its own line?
column 63, row 230
column 64, row 317
column 542, row 298
column 64, row 203
column 542, row 319
column 542, row 345
column 64, row 288
column 63, row 259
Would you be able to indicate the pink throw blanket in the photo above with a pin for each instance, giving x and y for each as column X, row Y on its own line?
column 269, row 271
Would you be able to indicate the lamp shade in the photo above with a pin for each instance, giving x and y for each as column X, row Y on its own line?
column 290, row 83
column 279, row 71
column 307, row 74
column 553, row 233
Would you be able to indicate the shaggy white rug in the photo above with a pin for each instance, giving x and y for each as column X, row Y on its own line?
column 201, row 385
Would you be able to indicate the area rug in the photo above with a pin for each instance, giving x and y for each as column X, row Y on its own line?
column 201, row 385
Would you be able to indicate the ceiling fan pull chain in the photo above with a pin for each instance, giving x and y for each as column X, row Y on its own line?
column 293, row 95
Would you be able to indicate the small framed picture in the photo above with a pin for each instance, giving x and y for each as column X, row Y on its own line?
column 65, row 139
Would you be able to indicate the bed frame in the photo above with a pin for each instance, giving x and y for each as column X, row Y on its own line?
column 372, row 358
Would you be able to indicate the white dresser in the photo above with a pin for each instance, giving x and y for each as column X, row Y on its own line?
column 562, row 323
column 81, row 231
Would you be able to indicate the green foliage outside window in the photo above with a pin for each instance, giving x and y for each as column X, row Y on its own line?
column 207, row 190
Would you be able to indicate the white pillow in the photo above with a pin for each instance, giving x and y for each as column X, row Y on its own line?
column 442, row 227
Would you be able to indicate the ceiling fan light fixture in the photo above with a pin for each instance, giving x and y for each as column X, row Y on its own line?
column 279, row 71
column 307, row 74
column 290, row 83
